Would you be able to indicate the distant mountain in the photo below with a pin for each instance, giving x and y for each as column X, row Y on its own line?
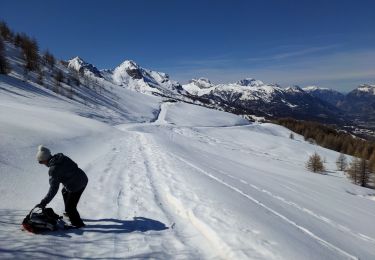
column 246, row 96
column 130, row 75
column 329, row 95
column 250, row 96
column 83, row 67
column 360, row 101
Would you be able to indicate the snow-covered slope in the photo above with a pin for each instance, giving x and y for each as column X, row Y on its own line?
column 193, row 184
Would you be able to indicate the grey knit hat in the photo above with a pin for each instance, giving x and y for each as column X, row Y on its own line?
column 43, row 153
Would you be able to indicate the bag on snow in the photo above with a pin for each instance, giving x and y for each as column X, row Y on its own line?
column 39, row 220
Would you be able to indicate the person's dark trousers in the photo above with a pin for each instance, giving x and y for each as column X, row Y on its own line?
column 71, row 200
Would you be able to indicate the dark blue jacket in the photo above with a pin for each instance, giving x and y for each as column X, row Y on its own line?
column 63, row 170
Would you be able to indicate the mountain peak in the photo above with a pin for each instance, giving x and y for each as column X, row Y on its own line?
column 129, row 65
column 76, row 63
column 80, row 65
column 294, row 88
column 314, row 88
column 250, row 82
column 367, row 88
column 201, row 82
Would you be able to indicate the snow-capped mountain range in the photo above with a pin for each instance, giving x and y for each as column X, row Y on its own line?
column 130, row 75
column 246, row 96
column 251, row 96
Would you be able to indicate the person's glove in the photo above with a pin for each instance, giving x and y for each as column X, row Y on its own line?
column 40, row 205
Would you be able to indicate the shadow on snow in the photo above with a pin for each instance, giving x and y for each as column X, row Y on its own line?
column 21, row 245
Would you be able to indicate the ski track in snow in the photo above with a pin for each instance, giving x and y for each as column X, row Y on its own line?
column 134, row 194
column 289, row 221
column 211, row 241
column 303, row 209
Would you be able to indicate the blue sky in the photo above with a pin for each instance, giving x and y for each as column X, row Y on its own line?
column 327, row 43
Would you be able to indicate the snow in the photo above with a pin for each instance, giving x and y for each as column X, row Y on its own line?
column 314, row 88
column 133, row 77
column 76, row 63
column 367, row 88
column 200, row 116
column 250, row 82
column 249, row 89
column 172, row 181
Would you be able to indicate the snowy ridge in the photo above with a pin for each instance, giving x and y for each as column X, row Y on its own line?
column 250, row 89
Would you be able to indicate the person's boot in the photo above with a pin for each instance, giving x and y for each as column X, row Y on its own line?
column 79, row 225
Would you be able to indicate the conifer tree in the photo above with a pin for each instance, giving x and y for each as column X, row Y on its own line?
column 315, row 163
column 4, row 65
column 5, row 32
column 49, row 59
column 18, row 40
column 354, row 169
column 30, row 51
column 360, row 172
column 58, row 77
column 341, row 162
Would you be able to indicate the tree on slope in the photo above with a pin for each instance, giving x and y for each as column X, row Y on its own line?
column 48, row 59
column 341, row 162
column 360, row 172
column 58, row 77
column 30, row 51
column 5, row 31
column 315, row 163
column 4, row 66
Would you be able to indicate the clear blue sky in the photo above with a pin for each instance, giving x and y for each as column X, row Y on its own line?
column 327, row 43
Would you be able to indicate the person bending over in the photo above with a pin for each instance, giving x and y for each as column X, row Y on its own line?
column 74, row 180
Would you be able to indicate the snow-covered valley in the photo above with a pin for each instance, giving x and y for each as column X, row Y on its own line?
column 170, row 180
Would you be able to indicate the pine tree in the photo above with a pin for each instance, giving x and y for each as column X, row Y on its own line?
column 58, row 77
column 49, row 59
column 341, row 162
column 5, row 32
column 4, row 65
column 372, row 161
column 354, row 169
column 315, row 163
column 40, row 77
column 365, row 173
column 18, row 40
column 360, row 172
column 30, row 51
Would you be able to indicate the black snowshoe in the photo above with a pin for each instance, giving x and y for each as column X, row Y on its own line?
column 39, row 220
